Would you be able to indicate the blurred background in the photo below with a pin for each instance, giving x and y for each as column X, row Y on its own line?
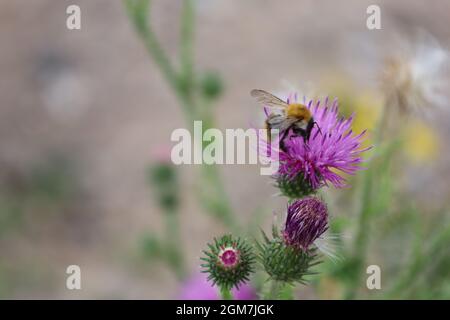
column 85, row 113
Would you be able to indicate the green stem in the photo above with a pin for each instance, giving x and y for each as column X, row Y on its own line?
column 186, row 47
column 419, row 263
column 183, row 86
column 212, row 193
column 174, row 254
column 226, row 294
column 216, row 201
column 363, row 226
column 274, row 290
column 138, row 11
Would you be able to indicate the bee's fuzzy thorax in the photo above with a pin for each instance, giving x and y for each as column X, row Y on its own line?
column 299, row 111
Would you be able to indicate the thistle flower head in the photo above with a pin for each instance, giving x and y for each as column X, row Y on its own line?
column 307, row 220
column 229, row 262
column 331, row 150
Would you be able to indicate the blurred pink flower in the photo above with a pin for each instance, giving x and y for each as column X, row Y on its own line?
column 161, row 154
column 197, row 287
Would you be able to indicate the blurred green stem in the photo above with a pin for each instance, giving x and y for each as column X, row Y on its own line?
column 274, row 290
column 418, row 263
column 363, row 225
column 215, row 203
column 186, row 50
column 138, row 11
column 183, row 85
column 174, row 254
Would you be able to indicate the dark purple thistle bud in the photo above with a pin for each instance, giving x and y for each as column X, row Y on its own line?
column 307, row 219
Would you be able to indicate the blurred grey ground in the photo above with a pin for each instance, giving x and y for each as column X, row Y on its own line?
column 94, row 101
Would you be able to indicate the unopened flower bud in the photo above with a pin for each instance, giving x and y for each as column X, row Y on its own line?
column 307, row 219
column 229, row 262
column 289, row 257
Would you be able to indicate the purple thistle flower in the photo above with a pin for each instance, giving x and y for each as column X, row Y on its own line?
column 306, row 221
column 332, row 148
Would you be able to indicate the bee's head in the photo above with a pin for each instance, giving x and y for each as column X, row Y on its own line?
column 299, row 111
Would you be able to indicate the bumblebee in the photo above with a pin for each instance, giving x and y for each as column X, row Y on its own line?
column 286, row 117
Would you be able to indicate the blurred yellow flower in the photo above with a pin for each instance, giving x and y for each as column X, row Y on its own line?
column 421, row 141
column 367, row 107
column 329, row 288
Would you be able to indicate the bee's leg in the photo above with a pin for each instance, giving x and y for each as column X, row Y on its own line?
column 309, row 129
column 318, row 128
column 283, row 136
column 282, row 146
column 301, row 132
column 269, row 138
column 268, row 134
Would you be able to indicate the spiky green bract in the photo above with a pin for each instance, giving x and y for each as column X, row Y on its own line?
column 284, row 263
column 293, row 188
column 231, row 275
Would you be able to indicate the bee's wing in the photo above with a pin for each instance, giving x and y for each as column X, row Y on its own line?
column 287, row 123
column 275, row 120
column 268, row 99
column 280, row 122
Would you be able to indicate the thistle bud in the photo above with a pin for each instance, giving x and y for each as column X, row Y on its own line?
column 289, row 257
column 229, row 262
column 307, row 219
